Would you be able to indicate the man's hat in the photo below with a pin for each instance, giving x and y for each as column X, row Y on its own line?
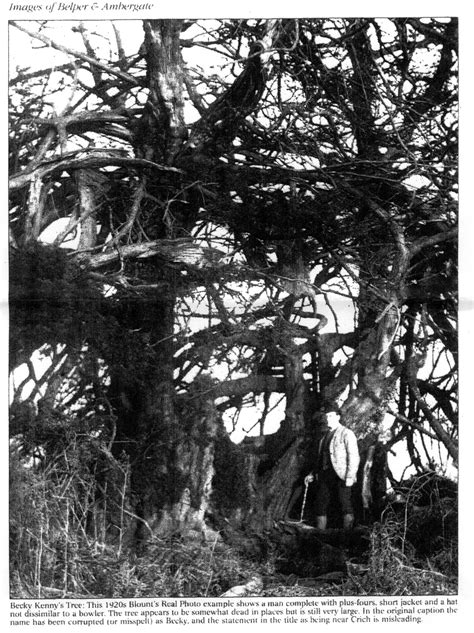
column 330, row 408
column 320, row 414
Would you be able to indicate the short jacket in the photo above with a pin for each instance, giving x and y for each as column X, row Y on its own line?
column 344, row 453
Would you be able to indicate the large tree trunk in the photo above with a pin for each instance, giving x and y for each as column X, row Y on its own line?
column 173, row 451
column 170, row 469
column 273, row 477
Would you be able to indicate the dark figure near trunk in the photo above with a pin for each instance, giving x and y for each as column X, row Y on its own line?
column 335, row 471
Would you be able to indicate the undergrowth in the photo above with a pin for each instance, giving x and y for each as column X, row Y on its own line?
column 67, row 538
column 394, row 568
column 173, row 567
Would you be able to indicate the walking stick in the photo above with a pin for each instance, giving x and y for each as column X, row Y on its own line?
column 306, row 484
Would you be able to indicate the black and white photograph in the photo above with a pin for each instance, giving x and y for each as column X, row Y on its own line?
column 233, row 308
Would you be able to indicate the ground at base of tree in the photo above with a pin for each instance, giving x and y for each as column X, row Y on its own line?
column 177, row 567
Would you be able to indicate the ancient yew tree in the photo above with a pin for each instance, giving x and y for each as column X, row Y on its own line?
column 213, row 218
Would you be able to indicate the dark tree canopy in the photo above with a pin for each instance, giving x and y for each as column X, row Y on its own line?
column 253, row 211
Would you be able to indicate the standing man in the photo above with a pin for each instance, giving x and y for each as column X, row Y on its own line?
column 335, row 471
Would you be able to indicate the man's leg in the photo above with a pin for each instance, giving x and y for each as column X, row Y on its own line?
column 321, row 522
column 321, row 501
column 296, row 494
column 345, row 499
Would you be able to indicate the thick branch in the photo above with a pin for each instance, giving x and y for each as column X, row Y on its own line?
column 80, row 122
column 162, row 129
column 250, row 384
column 432, row 240
column 434, row 93
column 180, row 251
column 443, row 436
column 219, row 124
column 99, row 159
column 442, row 397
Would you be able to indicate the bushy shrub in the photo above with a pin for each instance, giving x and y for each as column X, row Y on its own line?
column 61, row 519
column 67, row 537
column 393, row 567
